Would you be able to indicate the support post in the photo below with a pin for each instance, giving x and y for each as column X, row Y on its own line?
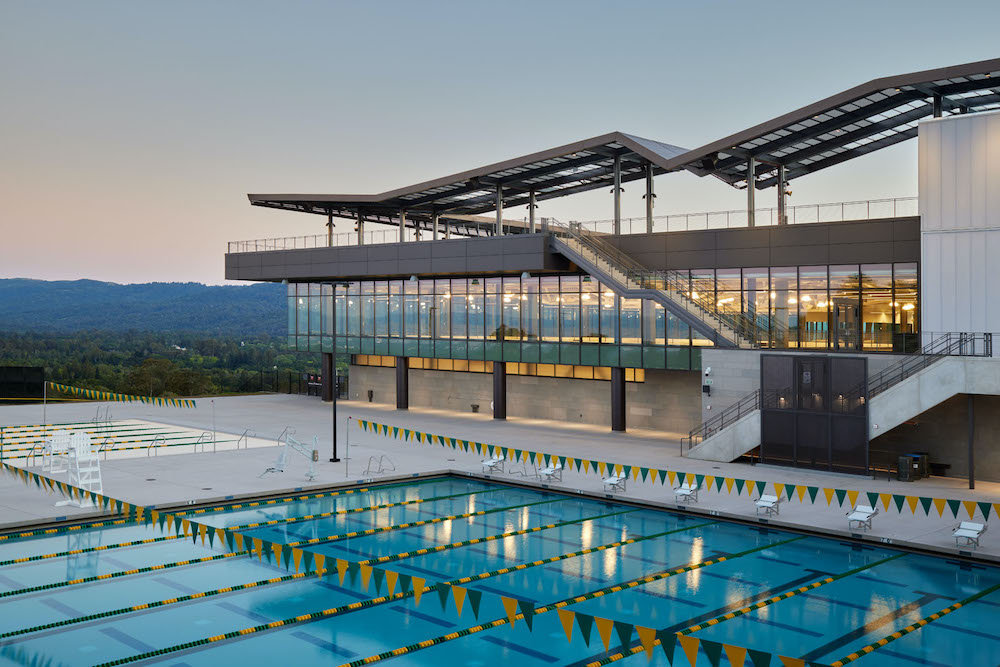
column 499, row 225
column 333, row 376
column 972, row 441
column 936, row 105
column 617, row 399
column 751, row 191
column 402, row 383
column 649, row 198
column 782, row 197
column 329, row 229
column 361, row 228
column 531, row 211
column 402, row 226
column 326, row 371
column 618, row 194
column 499, row 390
column 435, row 219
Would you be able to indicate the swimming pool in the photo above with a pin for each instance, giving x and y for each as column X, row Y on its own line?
column 707, row 579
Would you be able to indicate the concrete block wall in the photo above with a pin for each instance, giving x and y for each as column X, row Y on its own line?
column 666, row 401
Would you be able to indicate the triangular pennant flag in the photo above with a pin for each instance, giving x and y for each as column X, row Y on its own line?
column 736, row 655
column 760, row 488
column 475, row 598
column 366, row 575
column 418, row 589
column 258, row 548
column 202, row 531
column 566, row 618
column 790, row 491
column 953, row 505
column 939, row 503
column 852, row 496
column 442, row 591
column 759, row 658
column 586, row 466
column 378, row 574
column 509, row 606
column 528, row 609
column 458, row 593
column 662, row 474
column 320, row 565
column 404, row 582
column 926, row 504
column 624, row 631
column 391, row 578
column 238, row 537
column 739, row 486
column 689, row 645
column 729, row 484
column 779, row 488
column 296, row 559
column 899, row 500
column 985, row 509
column 229, row 537
column 644, row 473
column 801, row 491
column 792, row 662
column 647, row 637
column 713, row 650
column 885, row 498
column 872, row 499
column 604, row 627
column 668, row 642
column 841, row 494
column 276, row 549
column 585, row 622
column 672, row 476
column 342, row 566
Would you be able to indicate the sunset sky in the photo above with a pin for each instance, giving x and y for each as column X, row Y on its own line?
column 130, row 132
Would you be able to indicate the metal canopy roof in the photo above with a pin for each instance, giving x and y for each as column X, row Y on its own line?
column 577, row 167
column 860, row 120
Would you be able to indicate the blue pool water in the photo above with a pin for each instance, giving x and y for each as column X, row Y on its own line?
column 820, row 625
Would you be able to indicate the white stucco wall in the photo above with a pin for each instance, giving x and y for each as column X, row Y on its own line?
column 959, row 181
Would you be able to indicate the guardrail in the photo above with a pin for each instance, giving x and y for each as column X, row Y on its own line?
column 678, row 222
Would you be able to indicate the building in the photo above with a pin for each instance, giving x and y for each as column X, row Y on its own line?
column 664, row 321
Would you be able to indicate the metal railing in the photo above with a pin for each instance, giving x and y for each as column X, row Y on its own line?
column 731, row 415
column 678, row 222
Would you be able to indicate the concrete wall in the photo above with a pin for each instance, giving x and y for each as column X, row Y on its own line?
column 942, row 431
column 667, row 400
column 959, row 174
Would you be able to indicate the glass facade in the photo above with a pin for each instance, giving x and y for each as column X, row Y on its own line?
column 574, row 320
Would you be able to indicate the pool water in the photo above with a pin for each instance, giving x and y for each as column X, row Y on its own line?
column 886, row 590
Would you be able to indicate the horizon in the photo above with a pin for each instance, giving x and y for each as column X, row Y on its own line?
column 142, row 128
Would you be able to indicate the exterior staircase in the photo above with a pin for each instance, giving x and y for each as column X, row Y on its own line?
column 951, row 364
column 691, row 301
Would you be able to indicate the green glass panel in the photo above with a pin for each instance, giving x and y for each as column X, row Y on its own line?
column 653, row 356
column 426, row 348
column 396, row 347
column 291, row 342
column 476, row 349
column 529, row 353
column 341, row 345
column 315, row 344
column 590, row 355
column 678, row 358
column 327, row 344
column 411, row 348
column 569, row 353
column 459, row 349
column 609, row 355
column 695, row 364
column 367, row 346
column 303, row 344
column 354, row 345
column 442, row 349
column 511, row 351
column 548, row 353
column 631, row 356
column 494, row 350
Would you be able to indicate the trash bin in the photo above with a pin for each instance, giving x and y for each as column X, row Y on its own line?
column 906, row 468
column 475, row 407
column 371, row 395
column 923, row 464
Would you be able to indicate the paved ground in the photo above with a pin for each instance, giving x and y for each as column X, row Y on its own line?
column 203, row 477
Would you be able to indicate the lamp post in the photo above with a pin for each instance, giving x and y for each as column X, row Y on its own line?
column 333, row 373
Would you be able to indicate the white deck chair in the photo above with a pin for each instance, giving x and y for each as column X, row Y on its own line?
column 970, row 532
column 55, row 452
column 862, row 516
column 552, row 473
column 615, row 482
column 494, row 464
column 770, row 504
column 687, row 493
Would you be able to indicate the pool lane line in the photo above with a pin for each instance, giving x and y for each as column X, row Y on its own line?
column 129, row 449
column 302, row 575
column 133, row 429
column 860, row 653
column 122, row 573
column 392, row 597
column 631, row 583
column 413, row 524
column 355, row 510
column 102, row 547
column 638, row 648
column 489, row 538
column 66, row 529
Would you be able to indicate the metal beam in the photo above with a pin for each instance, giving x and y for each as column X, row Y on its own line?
column 402, row 225
column 361, row 228
column 498, row 230
column 751, row 191
column 435, row 220
column 649, row 198
column 782, row 196
column 617, row 175
column 329, row 229
column 531, row 212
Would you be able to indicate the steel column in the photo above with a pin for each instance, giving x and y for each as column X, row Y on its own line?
column 435, row 218
column 936, row 105
column 972, row 441
column 402, row 226
column 402, row 383
column 618, row 194
column 531, row 211
column 649, row 198
column 751, row 188
column 326, row 371
column 782, row 197
column 617, row 399
column 329, row 229
column 499, row 226
column 361, row 228
column 499, row 390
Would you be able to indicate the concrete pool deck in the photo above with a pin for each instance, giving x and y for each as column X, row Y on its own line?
column 207, row 477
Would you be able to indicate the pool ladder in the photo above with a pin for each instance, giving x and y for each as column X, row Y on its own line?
column 379, row 466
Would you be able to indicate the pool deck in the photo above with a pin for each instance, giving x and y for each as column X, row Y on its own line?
column 196, row 478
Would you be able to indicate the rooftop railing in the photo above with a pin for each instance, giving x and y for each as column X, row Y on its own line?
column 763, row 217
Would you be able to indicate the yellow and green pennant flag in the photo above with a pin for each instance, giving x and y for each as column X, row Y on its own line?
column 647, row 637
column 604, row 627
column 713, row 650
column 509, row 606
column 98, row 395
column 736, row 655
column 566, row 619
column 690, row 646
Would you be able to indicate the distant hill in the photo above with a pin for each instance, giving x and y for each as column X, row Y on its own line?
column 64, row 306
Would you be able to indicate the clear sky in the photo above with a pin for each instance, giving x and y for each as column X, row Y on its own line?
column 130, row 132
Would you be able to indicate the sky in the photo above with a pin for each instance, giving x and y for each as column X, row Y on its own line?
column 131, row 131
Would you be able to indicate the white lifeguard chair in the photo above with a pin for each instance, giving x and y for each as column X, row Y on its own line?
column 292, row 444
column 84, row 469
column 55, row 452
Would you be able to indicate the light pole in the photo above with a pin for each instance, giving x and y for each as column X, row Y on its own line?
column 333, row 372
column 275, row 389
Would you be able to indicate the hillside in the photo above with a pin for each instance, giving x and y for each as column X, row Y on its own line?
column 66, row 306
